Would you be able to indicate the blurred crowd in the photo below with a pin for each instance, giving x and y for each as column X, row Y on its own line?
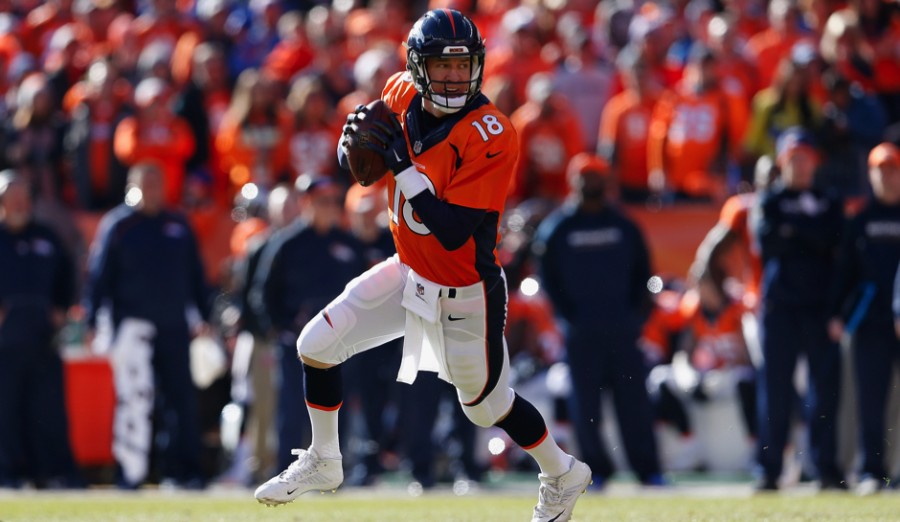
column 230, row 110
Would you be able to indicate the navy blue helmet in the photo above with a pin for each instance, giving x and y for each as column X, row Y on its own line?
column 445, row 33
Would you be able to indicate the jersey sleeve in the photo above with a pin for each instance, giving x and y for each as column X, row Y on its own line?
column 488, row 152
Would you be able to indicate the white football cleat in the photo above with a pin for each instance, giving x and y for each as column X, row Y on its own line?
column 557, row 496
column 308, row 473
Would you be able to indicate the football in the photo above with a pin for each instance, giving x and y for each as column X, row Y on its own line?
column 366, row 165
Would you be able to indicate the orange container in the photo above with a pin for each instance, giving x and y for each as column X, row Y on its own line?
column 90, row 401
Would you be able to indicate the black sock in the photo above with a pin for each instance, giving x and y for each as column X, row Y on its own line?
column 524, row 424
column 324, row 388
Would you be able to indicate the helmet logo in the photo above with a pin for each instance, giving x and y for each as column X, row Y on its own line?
column 456, row 49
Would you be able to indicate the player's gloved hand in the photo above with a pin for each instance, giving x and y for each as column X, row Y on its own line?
column 351, row 125
column 390, row 142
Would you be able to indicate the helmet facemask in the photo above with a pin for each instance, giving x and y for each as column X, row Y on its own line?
column 460, row 92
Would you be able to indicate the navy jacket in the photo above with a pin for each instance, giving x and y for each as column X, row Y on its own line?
column 37, row 276
column 146, row 267
column 867, row 266
column 300, row 272
column 595, row 269
column 798, row 233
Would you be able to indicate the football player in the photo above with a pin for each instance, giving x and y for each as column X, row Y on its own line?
column 451, row 154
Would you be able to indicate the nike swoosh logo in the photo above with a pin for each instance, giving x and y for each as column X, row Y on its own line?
column 557, row 516
column 494, row 155
column 291, row 492
column 450, row 317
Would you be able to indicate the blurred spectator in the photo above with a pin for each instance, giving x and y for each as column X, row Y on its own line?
column 583, row 77
column 331, row 62
column 693, row 133
column 40, row 24
column 785, row 103
column 306, row 265
column 594, row 265
column 213, row 30
column 203, row 104
column 371, row 376
column 861, row 307
column 624, row 127
column 155, row 134
column 37, row 286
column 773, row 44
column 650, row 32
column 314, row 129
column 866, row 38
column 161, row 22
column 737, row 73
column 370, row 73
column 852, row 124
column 66, row 59
column 35, row 138
column 253, row 137
column 145, row 269
column 711, row 364
column 798, row 229
column 292, row 54
column 549, row 136
column 260, row 397
column 254, row 43
column 518, row 56
column 99, row 103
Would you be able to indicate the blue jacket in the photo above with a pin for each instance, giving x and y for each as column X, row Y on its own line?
column 146, row 267
column 868, row 259
column 798, row 233
column 300, row 272
column 37, row 276
column 595, row 269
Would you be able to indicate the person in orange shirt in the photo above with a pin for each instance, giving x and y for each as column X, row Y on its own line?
column 692, row 134
column 549, row 136
column 155, row 134
column 518, row 57
column 737, row 73
column 451, row 157
column 293, row 53
column 712, row 363
column 163, row 23
column 624, row 127
column 769, row 47
column 253, row 138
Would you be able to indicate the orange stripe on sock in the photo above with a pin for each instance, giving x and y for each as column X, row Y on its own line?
column 326, row 408
column 538, row 443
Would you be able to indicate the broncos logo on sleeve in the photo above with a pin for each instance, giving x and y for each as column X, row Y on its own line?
column 468, row 159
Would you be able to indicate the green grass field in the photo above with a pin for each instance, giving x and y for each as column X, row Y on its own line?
column 365, row 506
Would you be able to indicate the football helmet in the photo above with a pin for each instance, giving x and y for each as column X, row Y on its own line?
column 445, row 33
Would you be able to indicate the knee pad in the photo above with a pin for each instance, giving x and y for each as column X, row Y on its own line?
column 490, row 410
column 322, row 335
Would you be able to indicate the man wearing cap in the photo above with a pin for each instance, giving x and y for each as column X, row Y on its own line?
column 860, row 306
column 305, row 265
column 798, row 228
column 594, row 264
column 37, row 286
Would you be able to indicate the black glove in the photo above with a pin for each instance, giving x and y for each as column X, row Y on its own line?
column 350, row 126
column 390, row 142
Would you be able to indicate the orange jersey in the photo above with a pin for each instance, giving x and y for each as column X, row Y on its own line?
column 687, row 134
column 468, row 160
column 718, row 341
column 624, row 127
column 547, row 143
column 735, row 216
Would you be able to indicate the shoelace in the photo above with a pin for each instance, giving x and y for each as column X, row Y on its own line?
column 304, row 460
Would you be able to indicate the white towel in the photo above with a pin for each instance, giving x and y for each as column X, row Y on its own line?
column 423, row 343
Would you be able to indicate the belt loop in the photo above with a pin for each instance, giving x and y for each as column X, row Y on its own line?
column 451, row 293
